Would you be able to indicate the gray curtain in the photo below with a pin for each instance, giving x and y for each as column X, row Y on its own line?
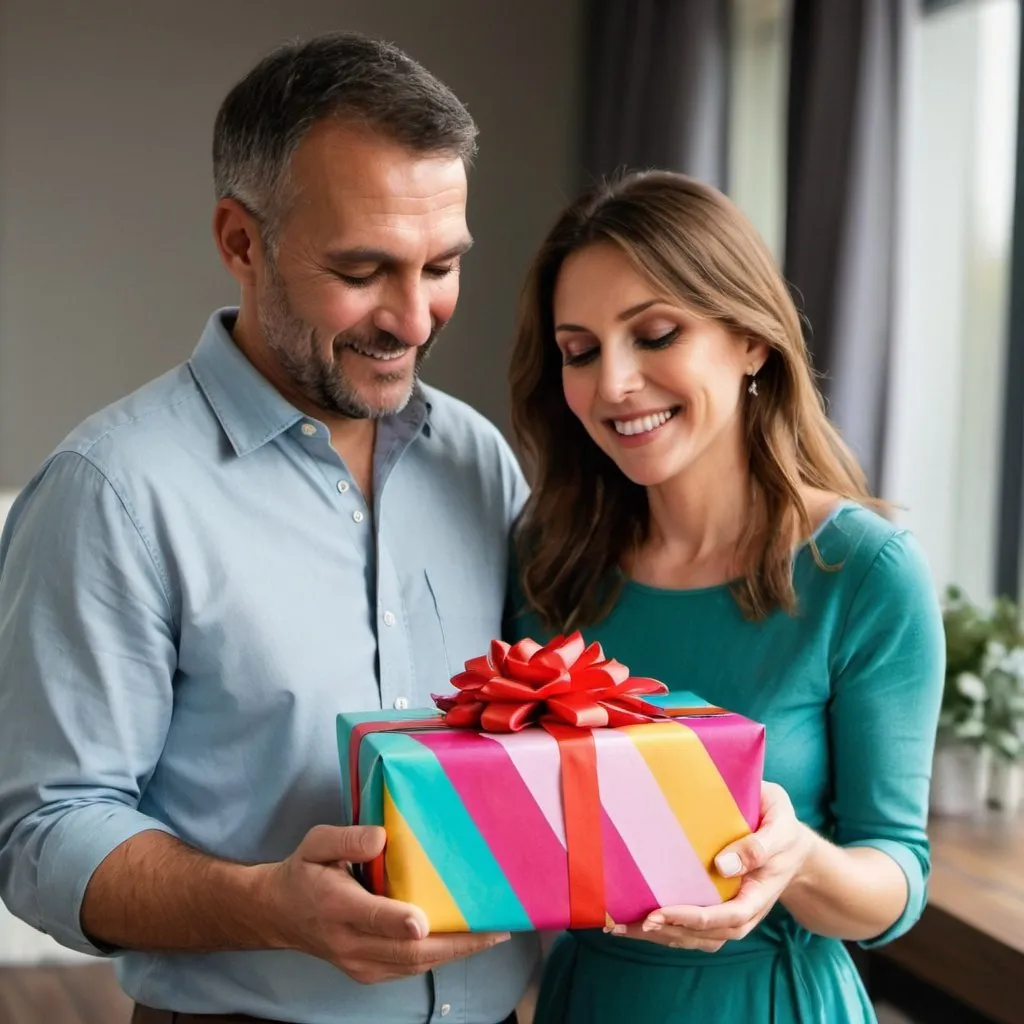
column 1010, row 543
column 846, row 94
column 655, row 91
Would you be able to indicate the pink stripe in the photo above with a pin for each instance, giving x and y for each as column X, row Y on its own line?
column 628, row 897
column 535, row 755
column 507, row 816
column 652, row 834
column 736, row 745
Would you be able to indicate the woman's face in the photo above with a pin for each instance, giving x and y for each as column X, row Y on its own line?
column 656, row 386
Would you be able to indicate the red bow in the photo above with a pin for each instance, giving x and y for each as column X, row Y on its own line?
column 563, row 681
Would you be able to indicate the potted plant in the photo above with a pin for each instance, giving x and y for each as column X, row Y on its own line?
column 981, row 723
column 1003, row 671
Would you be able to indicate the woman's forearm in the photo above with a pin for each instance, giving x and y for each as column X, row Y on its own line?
column 852, row 893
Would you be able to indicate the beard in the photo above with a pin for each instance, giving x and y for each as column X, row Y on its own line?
column 322, row 378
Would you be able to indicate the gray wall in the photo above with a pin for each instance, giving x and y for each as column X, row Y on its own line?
column 107, row 267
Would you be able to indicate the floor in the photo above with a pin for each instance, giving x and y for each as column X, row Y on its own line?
column 887, row 1015
column 65, row 994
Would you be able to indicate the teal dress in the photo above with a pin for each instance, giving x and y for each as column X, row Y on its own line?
column 849, row 691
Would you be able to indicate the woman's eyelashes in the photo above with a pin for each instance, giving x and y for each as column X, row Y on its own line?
column 580, row 357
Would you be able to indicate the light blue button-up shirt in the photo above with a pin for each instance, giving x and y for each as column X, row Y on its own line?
column 190, row 589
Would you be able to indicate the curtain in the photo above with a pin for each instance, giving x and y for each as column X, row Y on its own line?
column 846, row 97
column 656, row 87
column 1010, row 533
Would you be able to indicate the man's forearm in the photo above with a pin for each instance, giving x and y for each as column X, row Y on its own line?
column 153, row 892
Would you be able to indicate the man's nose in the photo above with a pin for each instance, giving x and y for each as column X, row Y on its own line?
column 406, row 315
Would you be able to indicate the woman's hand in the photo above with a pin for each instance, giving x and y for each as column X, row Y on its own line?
column 768, row 859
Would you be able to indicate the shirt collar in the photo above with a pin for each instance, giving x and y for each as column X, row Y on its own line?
column 250, row 409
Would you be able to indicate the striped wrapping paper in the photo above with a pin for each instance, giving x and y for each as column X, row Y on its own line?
column 476, row 827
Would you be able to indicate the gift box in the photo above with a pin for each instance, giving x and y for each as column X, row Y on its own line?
column 552, row 790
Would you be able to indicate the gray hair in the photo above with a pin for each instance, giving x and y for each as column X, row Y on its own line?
column 343, row 75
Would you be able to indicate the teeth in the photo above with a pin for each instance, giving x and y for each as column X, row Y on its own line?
column 643, row 424
column 386, row 356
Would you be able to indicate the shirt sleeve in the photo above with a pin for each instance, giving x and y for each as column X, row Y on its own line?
column 887, row 687
column 87, row 659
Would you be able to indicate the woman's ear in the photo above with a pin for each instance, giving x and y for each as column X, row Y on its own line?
column 756, row 351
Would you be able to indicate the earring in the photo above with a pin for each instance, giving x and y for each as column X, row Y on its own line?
column 752, row 386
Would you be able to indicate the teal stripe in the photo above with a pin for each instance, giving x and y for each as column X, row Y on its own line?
column 434, row 812
column 677, row 699
column 371, row 798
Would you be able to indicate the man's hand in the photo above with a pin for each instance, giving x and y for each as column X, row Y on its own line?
column 320, row 909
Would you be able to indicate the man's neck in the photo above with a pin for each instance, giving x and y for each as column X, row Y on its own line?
column 352, row 439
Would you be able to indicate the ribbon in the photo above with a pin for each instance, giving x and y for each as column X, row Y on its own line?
column 564, row 681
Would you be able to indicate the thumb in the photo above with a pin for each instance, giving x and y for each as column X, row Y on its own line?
column 742, row 857
column 356, row 844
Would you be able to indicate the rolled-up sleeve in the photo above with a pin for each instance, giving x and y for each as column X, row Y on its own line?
column 87, row 661
column 884, row 715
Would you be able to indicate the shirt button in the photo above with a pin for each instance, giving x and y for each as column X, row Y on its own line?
column 343, row 486
column 389, row 618
column 309, row 429
column 357, row 516
column 446, row 1008
column 401, row 703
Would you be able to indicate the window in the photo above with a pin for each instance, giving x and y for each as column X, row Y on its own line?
column 758, row 82
column 946, row 412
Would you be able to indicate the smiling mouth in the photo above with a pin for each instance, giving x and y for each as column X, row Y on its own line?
column 383, row 357
column 644, row 424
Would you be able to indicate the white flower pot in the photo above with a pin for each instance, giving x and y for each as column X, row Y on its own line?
column 1006, row 785
column 960, row 778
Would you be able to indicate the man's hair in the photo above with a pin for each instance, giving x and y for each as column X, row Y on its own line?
column 345, row 76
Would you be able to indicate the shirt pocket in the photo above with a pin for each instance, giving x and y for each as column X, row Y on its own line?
column 467, row 622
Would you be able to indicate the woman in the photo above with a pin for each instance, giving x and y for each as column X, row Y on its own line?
column 695, row 512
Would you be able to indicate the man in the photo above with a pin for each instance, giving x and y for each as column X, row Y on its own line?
column 285, row 527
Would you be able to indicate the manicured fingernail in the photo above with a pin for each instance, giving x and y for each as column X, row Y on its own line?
column 655, row 918
column 728, row 864
column 651, row 926
column 415, row 928
column 619, row 929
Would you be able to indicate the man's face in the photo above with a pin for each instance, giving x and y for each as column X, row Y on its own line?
column 365, row 271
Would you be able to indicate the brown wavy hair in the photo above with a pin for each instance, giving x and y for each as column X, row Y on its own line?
column 584, row 516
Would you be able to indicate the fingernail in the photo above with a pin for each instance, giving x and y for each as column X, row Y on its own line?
column 651, row 926
column 728, row 864
column 656, row 918
column 503, row 937
column 415, row 928
column 619, row 929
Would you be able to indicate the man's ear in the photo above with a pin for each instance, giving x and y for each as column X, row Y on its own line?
column 239, row 240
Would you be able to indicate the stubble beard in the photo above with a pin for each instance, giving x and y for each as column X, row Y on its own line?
column 323, row 381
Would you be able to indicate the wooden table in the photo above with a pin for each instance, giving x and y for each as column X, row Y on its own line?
column 969, row 942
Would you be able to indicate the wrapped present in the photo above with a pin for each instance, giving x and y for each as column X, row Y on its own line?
column 552, row 790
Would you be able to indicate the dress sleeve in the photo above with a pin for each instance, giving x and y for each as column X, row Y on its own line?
column 887, row 679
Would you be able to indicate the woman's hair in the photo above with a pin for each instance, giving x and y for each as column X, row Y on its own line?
column 584, row 515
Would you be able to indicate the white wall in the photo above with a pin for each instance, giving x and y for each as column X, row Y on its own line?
column 107, row 269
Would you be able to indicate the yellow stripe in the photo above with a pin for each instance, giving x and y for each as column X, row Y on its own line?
column 411, row 876
column 697, row 794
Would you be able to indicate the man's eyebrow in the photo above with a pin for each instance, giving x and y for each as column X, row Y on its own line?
column 366, row 254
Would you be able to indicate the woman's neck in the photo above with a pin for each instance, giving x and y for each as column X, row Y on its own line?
column 697, row 522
